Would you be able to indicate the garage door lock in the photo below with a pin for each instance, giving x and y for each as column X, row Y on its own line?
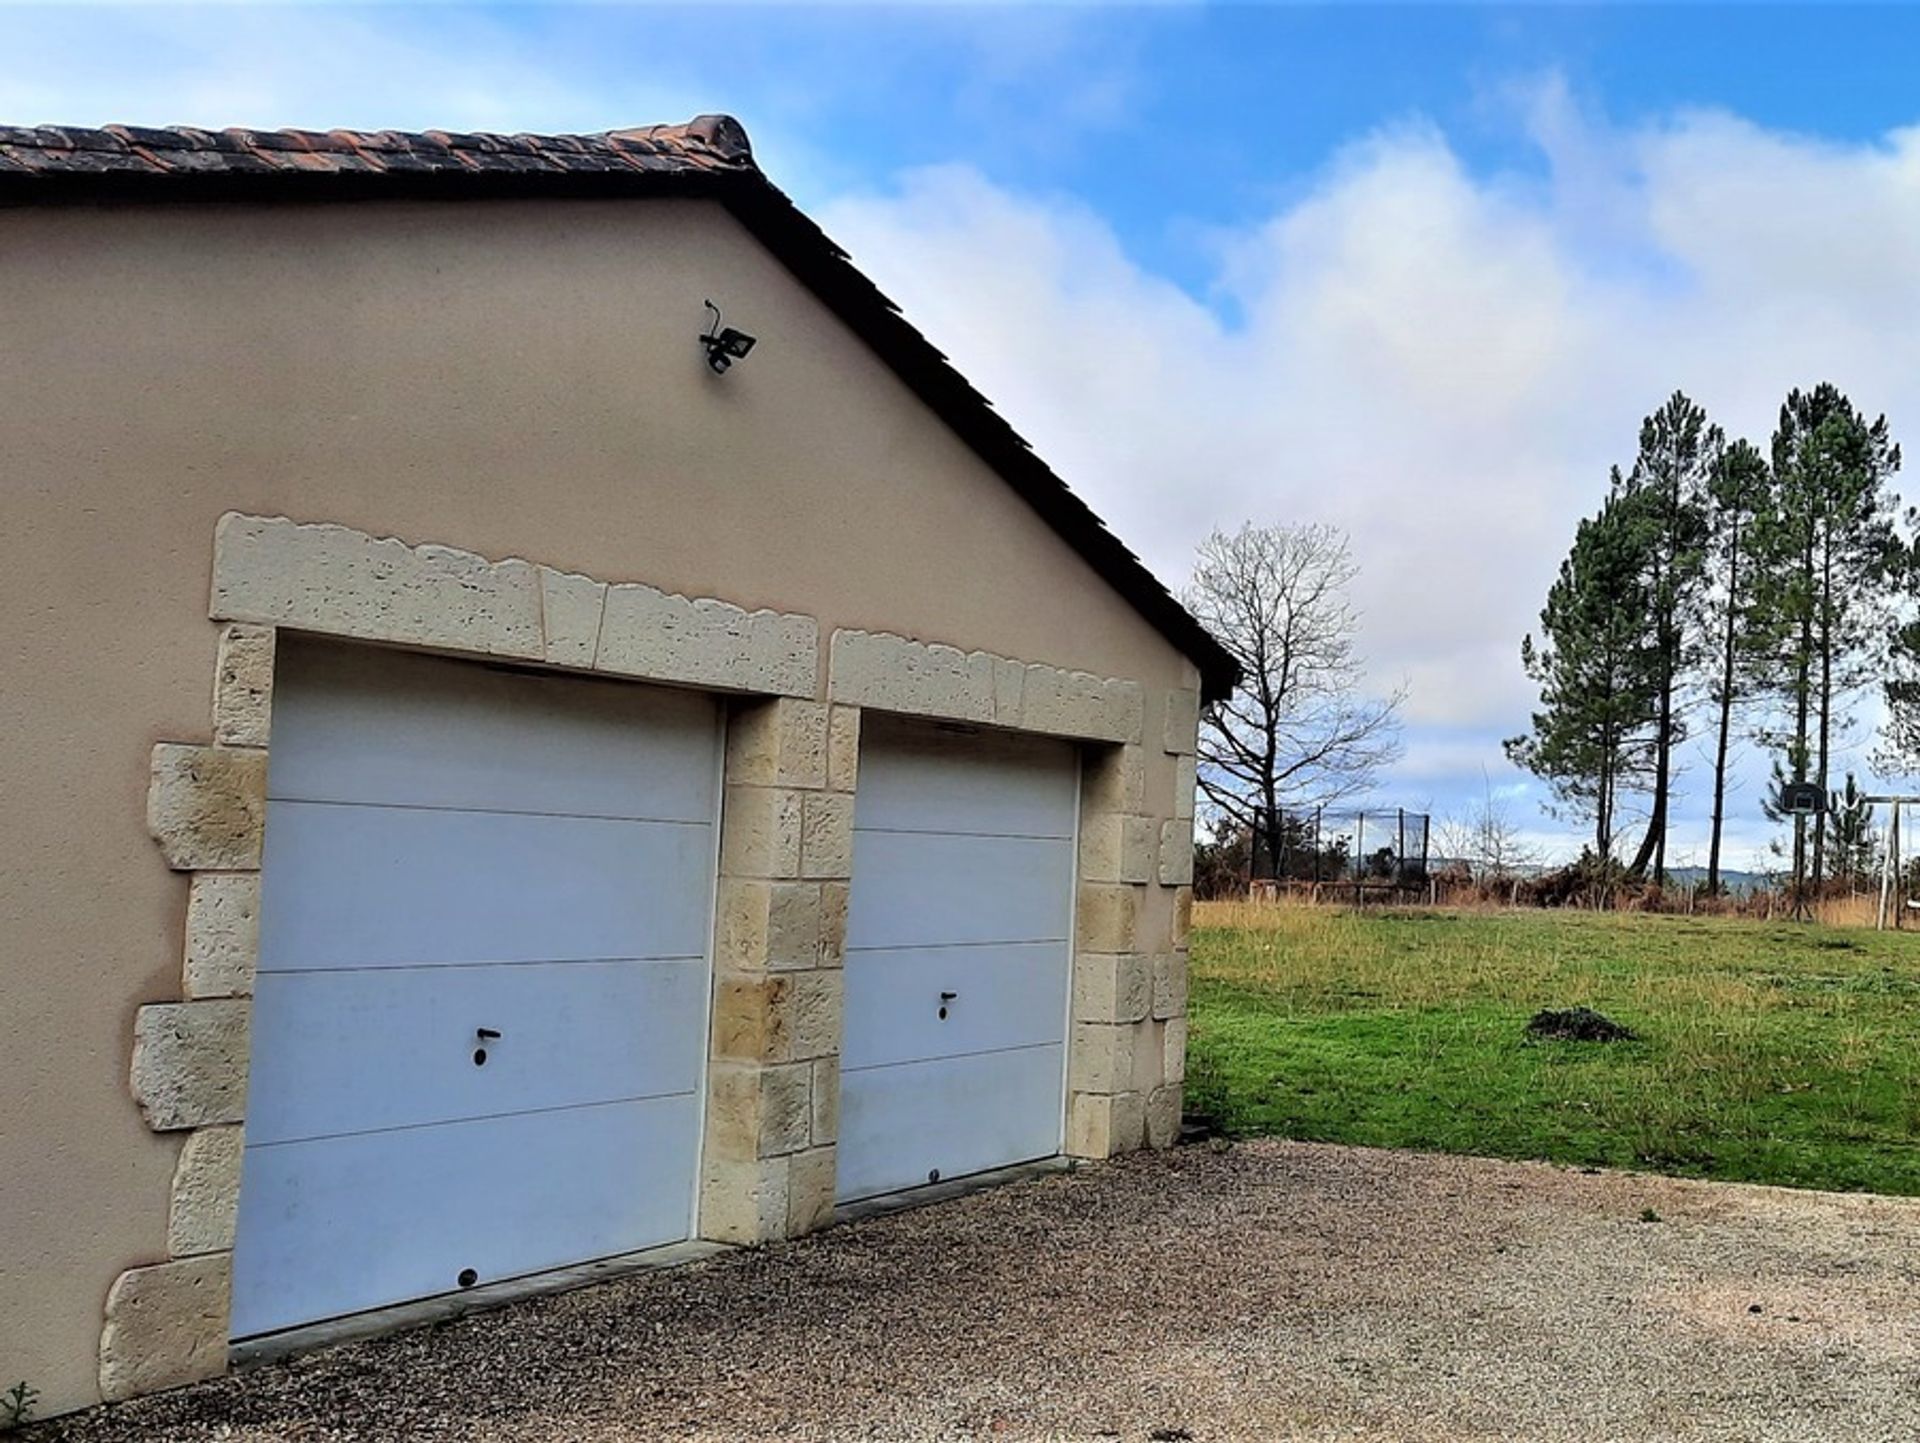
column 945, row 998
column 486, row 1035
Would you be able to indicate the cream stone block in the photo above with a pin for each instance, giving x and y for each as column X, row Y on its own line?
column 207, row 806
column 1115, row 847
column 1105, row 1125
column 166, row 1325
column 1163, row 1116
column 243, row 686
column 818, row 1012
column 1106, row 917
column 778, row 743
column 223, row 934
column 759, row 1110
column 206, row 1192
column 1147, row 1069
column 1114, row 780
column 811, row 1181
column 826, row 1100
column 1183, row 722
column 1173, row 1062
column 1184, row 782
column 1170, row 985
column 771, row 926
column 752, row 1018
column 343, row 582
column 651, row 633
column 1077, row 704
column 826, row 835
column 743, row 1200
column 190, row 1062
column 1182, row 916
column 1009, row 688
column 571, row 609
column 1176, row 853
column 843, row 748
column 894, row 673
column 1100, row 1057
column 833, row 923
column 1111, row 987
column 760, row 832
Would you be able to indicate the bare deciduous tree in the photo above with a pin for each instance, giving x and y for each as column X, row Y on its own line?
column 1487, row 839
column 1300, row 730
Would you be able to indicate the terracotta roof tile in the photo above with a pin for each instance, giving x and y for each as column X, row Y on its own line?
column 709, row 145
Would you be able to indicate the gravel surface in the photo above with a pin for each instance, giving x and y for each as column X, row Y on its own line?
column 1270, row 1291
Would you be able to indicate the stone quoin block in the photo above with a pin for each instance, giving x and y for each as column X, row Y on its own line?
column 811, row 1180
column 752, row 1017
column 1163, row 1116
column 774, row 925
column 1106, row 917
column 818, row 1010
column 1077, row 704
column 826, row 1100
column 1111, row 987
column 743, row 1200
column 1173, row 1065
column 190, row 1062
column 826, row 835
column 223, row 934
column 207, row 806
column 206, row 1192
column 1116, row 847
column 843, row 748
column 1184, row 783
column 1114, row 780
column 243, row 686
column 651, row 633
column 166, row 1325
column 778, row 743
column 1176, row 853
column 1170, row 985
column 760, row 832
column 833, row 923
column 1100, row 1057
column 1183, row 722
column 1104, row 1125
column 759, row 1111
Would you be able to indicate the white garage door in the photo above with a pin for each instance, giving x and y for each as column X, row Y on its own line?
column 480, row 1016
column 958, row 956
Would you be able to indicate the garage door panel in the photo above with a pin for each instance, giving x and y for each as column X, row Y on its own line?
column 992, row 784
column 919, row 889
column 959, row 1115
column 362, row 725
column 358, row 886
column 1007, row 996
column 346, row 1224
column 340, row 1052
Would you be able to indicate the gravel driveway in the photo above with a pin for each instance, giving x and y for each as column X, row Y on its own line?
column 1272, row 1291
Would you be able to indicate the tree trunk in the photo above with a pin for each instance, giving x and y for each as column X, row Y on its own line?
column 1726, row 714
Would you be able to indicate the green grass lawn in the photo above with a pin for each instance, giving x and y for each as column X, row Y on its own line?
column 1769, row 1052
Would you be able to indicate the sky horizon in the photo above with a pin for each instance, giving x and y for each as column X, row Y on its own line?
column 1417, row 272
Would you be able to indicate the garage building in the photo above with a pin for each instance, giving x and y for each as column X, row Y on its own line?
column 673, row 769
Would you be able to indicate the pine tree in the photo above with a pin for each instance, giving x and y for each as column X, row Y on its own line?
column 1829, row 555
column 1733, row 633
column 1598, row 677
column 1664, row 497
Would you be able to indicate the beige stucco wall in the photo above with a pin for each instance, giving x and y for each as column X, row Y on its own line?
column 519, row 379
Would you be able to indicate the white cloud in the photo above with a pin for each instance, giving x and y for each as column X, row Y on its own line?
column 1442, row 362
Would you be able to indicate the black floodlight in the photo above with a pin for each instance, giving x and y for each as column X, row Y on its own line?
column 724, row 346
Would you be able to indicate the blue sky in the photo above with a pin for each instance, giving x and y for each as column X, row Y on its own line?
column 1415, row 271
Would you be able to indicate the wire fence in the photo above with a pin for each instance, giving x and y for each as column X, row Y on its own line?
column 1380, row 847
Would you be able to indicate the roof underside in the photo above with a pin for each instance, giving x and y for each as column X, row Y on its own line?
column 709, row 157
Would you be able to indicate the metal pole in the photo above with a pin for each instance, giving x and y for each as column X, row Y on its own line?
column 1359, row 855
column 1886, row 869
column 1400, row 849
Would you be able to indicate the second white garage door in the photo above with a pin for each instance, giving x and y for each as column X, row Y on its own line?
column 480, row 1014
column 958, row 956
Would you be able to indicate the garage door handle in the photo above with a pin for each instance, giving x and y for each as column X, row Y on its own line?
column 486, row 1034
column 948, row 996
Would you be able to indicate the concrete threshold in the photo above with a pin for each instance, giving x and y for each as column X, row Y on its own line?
column 309, row 1337
column 949, row 1188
